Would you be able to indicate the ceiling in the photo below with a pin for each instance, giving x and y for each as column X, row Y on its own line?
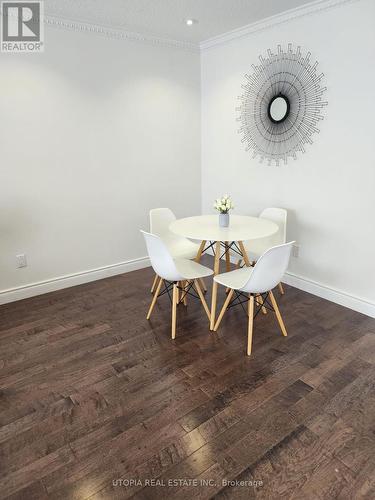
column 166, row 18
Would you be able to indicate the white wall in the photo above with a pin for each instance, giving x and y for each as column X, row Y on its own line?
column 93, row 133
column 329, row 191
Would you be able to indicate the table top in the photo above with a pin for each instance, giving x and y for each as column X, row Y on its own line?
column 206, row 227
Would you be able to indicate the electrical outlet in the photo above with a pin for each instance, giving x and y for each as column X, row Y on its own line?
column 295, row 251
column 21, row 260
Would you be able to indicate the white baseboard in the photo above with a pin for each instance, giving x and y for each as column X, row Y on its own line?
column 26, row 291
column 23, row 292
column 325, row 292
column 344, row 299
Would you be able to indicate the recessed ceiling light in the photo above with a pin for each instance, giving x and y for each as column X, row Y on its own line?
column 190, row 22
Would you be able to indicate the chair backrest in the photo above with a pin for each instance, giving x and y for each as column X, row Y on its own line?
column 160, row 258
column 279, row 216
column 269, row 269
column 160, row 218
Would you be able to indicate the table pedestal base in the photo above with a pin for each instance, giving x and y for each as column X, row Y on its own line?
column 238, row 248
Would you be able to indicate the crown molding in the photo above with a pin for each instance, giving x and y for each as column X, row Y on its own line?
column 269, row 22
column 118, row 33
column 155, row 40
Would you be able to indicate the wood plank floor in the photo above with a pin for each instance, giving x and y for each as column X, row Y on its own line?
column 96, row 402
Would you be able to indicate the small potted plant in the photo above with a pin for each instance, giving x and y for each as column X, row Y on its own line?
column 223, row 206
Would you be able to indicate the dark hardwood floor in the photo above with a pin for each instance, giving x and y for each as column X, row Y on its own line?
column 96, row 402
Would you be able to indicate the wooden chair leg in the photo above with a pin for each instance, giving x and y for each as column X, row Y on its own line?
column 260, row 300
column 154, row 283
column 154, row 299
column 203, row 300
column 250, row 325
column 278, row 315
column 201, row 281
column 223, row 309
column 174, row 310
column 281, row 288
column 185, row 285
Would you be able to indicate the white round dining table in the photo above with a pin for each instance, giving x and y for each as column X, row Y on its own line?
column 206, row 229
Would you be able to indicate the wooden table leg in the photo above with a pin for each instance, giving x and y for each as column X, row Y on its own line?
column 224, row 308
column 214, row 286
column 227, row 261
column 203, row 300
column 200, row 251
column 227, row 256
column 198, row 258
column 244, row 254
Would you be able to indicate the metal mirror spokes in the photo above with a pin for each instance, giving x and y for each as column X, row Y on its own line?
column 281, row 105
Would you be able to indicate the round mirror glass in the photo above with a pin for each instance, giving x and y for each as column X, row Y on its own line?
column 278, row 109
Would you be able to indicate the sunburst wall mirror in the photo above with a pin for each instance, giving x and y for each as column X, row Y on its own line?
column 281, row 105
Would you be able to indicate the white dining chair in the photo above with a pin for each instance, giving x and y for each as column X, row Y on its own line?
column 254, row 285
column 179, row 247
column 177, row 274
column 256, row 248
